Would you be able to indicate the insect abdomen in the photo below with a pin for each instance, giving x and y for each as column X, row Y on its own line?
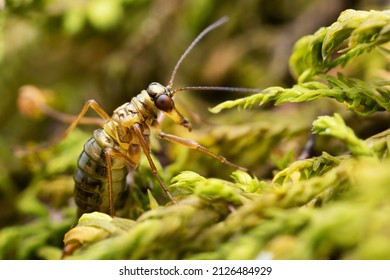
column 91, row 180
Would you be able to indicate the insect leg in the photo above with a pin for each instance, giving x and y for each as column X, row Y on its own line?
column 145, row 147
column 196, row 146
column 107, row 156
column 77, row 119
column 89, row 104
column 32, row 101
column 108, row 153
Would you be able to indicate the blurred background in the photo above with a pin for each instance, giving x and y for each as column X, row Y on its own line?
column 111, row 50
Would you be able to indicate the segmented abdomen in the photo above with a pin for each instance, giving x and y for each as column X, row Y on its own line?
column 91, row 180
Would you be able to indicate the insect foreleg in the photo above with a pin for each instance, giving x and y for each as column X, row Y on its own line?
column 196, row 146
column 145, row 147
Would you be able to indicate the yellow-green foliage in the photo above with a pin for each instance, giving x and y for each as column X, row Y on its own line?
column 355, row 32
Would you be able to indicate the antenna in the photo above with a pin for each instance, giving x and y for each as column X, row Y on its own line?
column 233, row 89
column 197, row 39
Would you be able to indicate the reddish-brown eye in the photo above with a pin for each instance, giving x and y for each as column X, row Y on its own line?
column 164, row 103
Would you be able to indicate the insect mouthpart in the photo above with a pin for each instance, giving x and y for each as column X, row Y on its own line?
column 162, row 99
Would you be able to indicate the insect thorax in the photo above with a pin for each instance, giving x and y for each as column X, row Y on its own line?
column 139, row 110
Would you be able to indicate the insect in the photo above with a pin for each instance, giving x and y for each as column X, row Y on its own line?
column 100, row 178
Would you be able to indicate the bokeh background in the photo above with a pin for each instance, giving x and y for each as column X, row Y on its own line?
column 111, row 50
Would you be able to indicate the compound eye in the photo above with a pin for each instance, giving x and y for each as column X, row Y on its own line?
column 164, row 103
